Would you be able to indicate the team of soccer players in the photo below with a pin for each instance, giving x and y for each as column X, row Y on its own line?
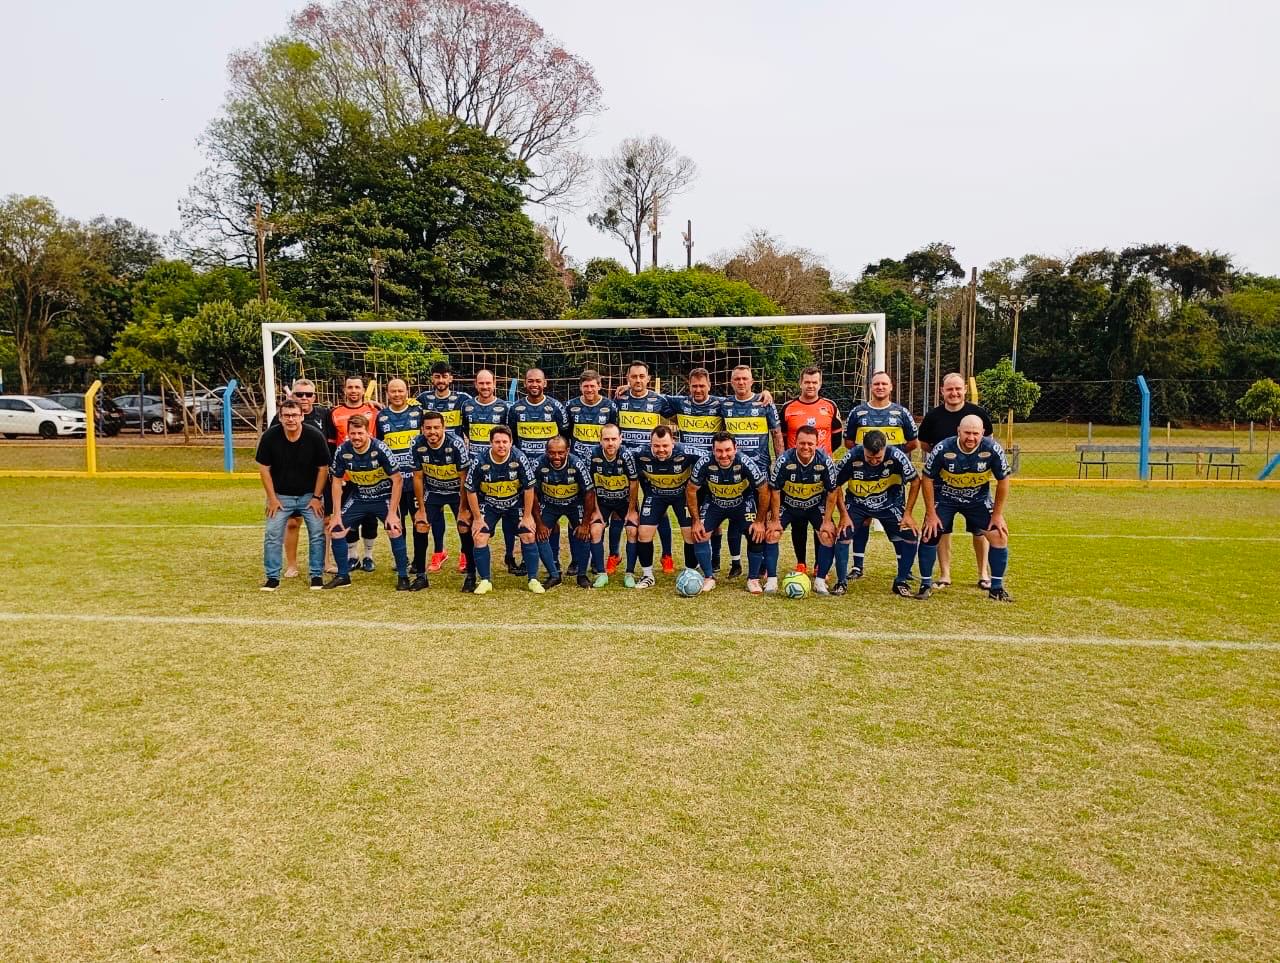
column 608, row 466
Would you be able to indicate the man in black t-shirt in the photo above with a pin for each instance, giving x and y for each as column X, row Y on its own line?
column 320, row 418
column 293, row 463
column 939, row 424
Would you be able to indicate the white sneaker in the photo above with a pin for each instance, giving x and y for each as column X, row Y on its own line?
column 771, row 584
column 483, row 587
column 646, row 582
column 708, row 584
column 820, row 587
column 753, row 586
column 536, row 587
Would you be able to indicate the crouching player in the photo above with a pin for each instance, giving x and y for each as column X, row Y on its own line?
column 562, row 488
column 664, row 473
column 733, row 488
column 875, row 477
column 374, row 495
column 439, row 468
column 957, row 481
column 616, row 483
column 500, row 488
column 803, row 480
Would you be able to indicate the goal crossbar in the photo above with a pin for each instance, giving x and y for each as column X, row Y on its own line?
column 285, row 330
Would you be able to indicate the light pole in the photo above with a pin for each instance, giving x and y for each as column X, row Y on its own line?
column 377, row 265
column 1017, row 303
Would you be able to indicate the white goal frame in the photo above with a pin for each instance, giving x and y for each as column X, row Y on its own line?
column 275, row 335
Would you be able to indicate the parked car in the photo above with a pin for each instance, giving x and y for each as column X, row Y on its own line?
column 206, row 409
column 108, row 419
column 31, row 415
column 156, row 415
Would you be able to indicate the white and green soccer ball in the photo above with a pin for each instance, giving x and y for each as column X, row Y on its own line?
column 796, row 585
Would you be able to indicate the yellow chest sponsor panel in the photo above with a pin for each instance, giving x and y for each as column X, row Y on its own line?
column 803, row 490
column 399, row 440
column 560, row 491
column 586, row 432
column 669, row 482
column 862, row 488
column 613, row 483
column 699, row 423
column 479, row 431
column 639, row 419
column 503, row 488
column 441, row 472
column 973, row 479
column 728, row 491
column 893, row 434
column 746, row 426
column 537, row 429
column 370, row 477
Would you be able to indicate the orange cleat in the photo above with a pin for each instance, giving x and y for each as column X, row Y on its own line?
column 668, row 565
column 437, row 562
column 611, row 564
column 801, row 569
column 462, row 563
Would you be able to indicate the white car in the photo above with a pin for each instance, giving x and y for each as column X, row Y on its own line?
column 29, row 415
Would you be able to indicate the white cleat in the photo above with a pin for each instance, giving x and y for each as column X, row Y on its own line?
column 753, row 586
column 771, row 584
column 708, row 584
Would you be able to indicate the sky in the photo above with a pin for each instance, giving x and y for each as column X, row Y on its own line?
column 857, row 130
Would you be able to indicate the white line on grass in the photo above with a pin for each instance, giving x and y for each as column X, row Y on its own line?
column 640, row 629
column 1015, row 534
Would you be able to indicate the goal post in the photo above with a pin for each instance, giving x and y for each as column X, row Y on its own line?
column 848, row 347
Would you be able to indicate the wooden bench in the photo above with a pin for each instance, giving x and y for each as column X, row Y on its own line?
column 1213, row 458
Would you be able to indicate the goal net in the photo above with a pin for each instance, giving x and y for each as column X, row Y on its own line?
column 848, row 348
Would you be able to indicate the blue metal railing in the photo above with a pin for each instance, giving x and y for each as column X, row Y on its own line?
column 228, row 447
column 1144, row 432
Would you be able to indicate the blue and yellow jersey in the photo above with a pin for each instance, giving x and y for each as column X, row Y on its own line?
column 398, row 430
column 637, row 417
column 803, row 487
column 875, row 488
column 565, row 486
column 449, row 406
column 442, row 468
column 500, row 485
column 728, row 487
column 585, row 422
column 665, row 477
column 893, row 419
column 612, row 479
column 964, row 478
column 698, row 421
column 750, row 422
column 535, row 424
column 368, row 472
column 478, row 419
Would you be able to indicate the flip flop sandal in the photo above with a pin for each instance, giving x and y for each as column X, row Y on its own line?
column 984, row 584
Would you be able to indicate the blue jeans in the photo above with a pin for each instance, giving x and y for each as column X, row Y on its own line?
column 273, row 540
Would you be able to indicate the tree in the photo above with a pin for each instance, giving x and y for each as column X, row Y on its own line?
column 1262, row 400
column 225, row 342
column 664, row 293
column 636, row 182
column 1001, row 389
column 43, row 264
column 924, row 270
column 795, row 279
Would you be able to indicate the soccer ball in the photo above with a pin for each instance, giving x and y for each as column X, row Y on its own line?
column 795, row 585
column 689, row 582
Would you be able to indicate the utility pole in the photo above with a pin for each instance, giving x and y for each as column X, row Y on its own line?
column 688, row 245
column 1017, row 303
column 926, row 393
column 377, row 265
column 262, row 229
column 653, row 232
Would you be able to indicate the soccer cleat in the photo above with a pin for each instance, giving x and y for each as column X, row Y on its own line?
column 534, row 586
column 367, row 565
column 338, row 581
column 925, row 592
column 437, row 561
column 584, row 581
column 462, row 564
column 270, row 585
column 771, row 584
column 628, row 581
column 903, row 589
column 516, row 568
column 708, row 584
column 753, row 586
column 469, row 583
column 668, row 565
column 735, row 569
column 419, row 583
column 840, row 588
column 403, row 584
column 611, row 564
column 646, row 582
column 601, row 581
column 483, row 587
column 999, row 595
column 552, row 581
column 572, row 570
column 855, row 573
column 317, row 581
column 801, row 568
column 291, row 572
column 820, row 587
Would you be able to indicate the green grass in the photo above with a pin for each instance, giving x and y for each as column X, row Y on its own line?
column 719, row 778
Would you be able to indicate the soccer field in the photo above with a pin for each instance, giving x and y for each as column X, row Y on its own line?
column 190, row 768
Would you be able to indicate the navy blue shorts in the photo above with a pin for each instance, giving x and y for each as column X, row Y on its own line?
column 509, row 517
column 977, row 517
column 613, row 509
column 355, row 512
column 813, row 516
column 713, row 515
column 889, row 519
column 654, row 507
column 551, row 515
